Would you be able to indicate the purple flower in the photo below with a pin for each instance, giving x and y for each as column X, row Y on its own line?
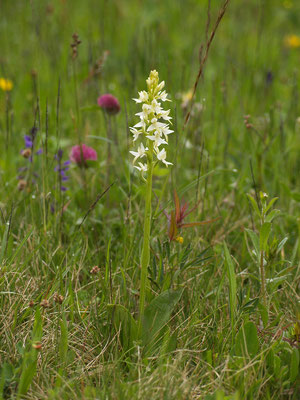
column 61, row 169
column 28, row 142
column 109, row 103
column 81, row 153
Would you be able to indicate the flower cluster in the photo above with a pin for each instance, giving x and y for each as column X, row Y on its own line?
column 109, row 103
column 81, row 153
column 151, row 124
column 29, row 145
column 61, row 168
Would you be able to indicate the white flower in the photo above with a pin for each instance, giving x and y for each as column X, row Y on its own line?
column 163, row 96
column 165, row 115
column 166, row 131
column 153, row 123
column 157, row 139
column 161, row 156
column 140, row 124
column 142, row 167
column 140, row 153
column 143, row 97
column 136, row 133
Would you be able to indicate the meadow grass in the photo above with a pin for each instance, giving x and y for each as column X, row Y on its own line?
column 222, row 305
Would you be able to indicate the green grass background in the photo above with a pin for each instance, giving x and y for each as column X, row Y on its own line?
column 44, row 253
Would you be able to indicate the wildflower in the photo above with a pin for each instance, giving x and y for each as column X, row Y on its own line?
column 153, row 127
column 109, row 103
column 81, row 153
column 62, row 168
column 29, row 145
column 6, row 84
column 292, row 41
column 161, row 156
column 140, row 153
column 153, row 124
column 142, row 167
column 176, row 219
column 179, row 239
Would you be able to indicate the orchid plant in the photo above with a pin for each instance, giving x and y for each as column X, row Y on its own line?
column 152, row 131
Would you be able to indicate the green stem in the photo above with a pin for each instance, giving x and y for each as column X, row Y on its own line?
column 145, row 257
column 263, row 278
column 262, row 267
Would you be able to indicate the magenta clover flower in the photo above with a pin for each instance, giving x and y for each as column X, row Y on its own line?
column 109, row 103
column 81, row 153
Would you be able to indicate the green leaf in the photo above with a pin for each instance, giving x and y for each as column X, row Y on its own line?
column 281, row 244
column 125, row 324
column 246, row 340
column 250, row 306
column 270, row 204
column 63, row 344
column 263, row 314
column 294, row 367
column 295, row 196
column 6, row 375
column 157, row 315
column 254, row 205
column 273, row 214
column 254, row 239
column 264, row 235
column 277, row 366
column 4, row 242
column 232, row 285
column 28, row 368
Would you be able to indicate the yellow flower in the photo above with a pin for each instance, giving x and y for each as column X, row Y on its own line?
column 179, row 239
column 292, row 41
column 6, row 84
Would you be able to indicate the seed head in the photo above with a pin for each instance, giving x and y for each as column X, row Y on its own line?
column 26, row 153
column 58, row 298
column 45, row 303
column 22, row 184
column 95, row 270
